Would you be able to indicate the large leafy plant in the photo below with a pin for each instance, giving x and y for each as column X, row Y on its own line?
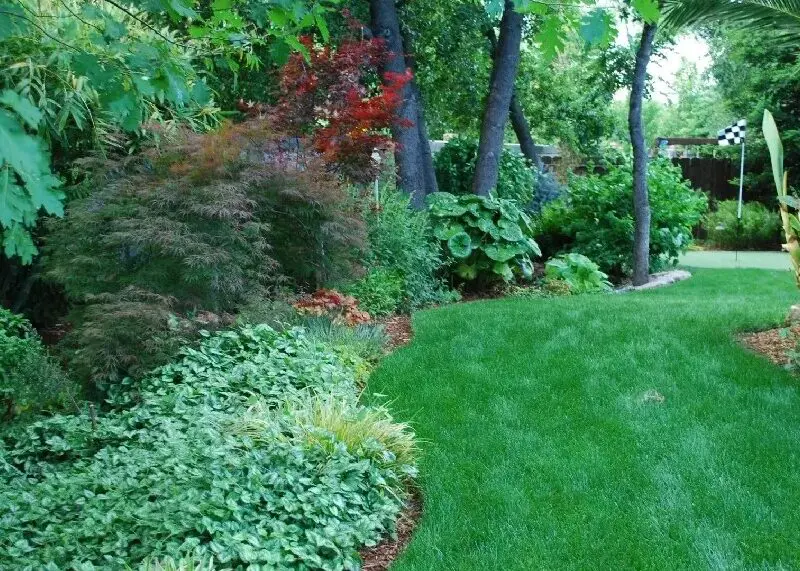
column 485, row 236
column 579, row 273
column 790, row 220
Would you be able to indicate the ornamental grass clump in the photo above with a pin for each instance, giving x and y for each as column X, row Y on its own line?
column 251, row 450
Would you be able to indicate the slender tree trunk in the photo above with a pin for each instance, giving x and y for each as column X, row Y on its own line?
column 429, row 171
column 504, row 73
column 527, row 145
column 641, row 202
column 410, row 157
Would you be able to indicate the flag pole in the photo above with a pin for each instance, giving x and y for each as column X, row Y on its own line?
column 741, row 183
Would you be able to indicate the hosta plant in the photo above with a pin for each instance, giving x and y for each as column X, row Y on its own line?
column 579, row 273
column 485, row 236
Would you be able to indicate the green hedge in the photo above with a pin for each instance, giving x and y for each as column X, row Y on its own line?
column 759, row 228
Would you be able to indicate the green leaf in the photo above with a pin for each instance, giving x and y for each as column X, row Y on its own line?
column 446, row 231
column 597, row 28
column 502, row 252
column 323, row 27
column 775, row 146
column 17, row 241
column 504, row 270
column 460, row 245
column 494, row 8
column 551, row 37
column 22, row 107
column 648, row 9
column 511, row 232
column 14, row 202
column 467, row 271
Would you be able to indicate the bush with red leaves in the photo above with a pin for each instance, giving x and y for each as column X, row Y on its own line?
column 335, row 305
column 335, row 97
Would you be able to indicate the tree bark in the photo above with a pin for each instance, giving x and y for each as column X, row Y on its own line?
column 641, row 201
column 504, row 73
column 527, row 145
column 410, row 156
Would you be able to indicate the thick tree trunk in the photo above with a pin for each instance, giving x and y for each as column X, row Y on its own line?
column 410, row 155
column 499, row 103
column 641, row 202
column 527, row 145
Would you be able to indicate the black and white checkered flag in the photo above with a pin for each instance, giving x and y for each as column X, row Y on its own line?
column 733, row 135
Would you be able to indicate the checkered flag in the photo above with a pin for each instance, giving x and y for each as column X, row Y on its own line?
column 733, row 135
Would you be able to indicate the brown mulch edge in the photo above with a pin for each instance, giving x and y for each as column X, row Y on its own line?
column 381, row 556
column 772, row 343
column 398, row 330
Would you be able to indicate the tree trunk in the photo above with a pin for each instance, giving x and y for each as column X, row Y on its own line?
column 641, row 202
column 409, row 154
column 504, row 73
column 527, row 145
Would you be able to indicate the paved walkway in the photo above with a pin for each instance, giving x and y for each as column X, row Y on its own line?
column 725, row 259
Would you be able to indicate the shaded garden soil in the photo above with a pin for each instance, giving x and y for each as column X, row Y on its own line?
column 772, row 343
column 380, row 557
column 398, row 330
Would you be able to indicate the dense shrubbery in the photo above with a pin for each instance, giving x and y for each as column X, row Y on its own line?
column 30, row 380
column 596, row 218
column 174, row 240
column 486, row 237
column 252, row 449
column 759, row 228
column 401, row 242
column 455, row 169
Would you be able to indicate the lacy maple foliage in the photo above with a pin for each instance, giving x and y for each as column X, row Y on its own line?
column 336, row 97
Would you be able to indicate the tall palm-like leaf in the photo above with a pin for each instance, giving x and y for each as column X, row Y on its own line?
column 781, row 17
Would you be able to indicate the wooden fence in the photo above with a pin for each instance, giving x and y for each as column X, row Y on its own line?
column 711, row 175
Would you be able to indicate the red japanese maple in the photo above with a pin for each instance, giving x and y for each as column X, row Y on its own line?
column 336, row 98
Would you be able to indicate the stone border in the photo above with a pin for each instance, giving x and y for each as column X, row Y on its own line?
column 660, row 279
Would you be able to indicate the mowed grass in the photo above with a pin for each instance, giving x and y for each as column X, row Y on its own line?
column 546, row 444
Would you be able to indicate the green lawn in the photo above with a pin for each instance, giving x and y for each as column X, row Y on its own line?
column 541, row 450
column 729, row 259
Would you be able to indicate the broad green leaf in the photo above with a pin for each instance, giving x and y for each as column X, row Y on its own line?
column 648, row 9
column 775, row 146
column 460, row 245
column 17, row 241
column 446, row 231
column 511, row 232
column 597, row 28
column 14, row 202
column 22, row 106
column 323, row 27
column 552, row 36
column 467, row 271
column 502, row 252
column 503, row 270
column 494, row 8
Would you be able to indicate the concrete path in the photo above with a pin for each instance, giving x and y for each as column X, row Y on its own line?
column 725, row 259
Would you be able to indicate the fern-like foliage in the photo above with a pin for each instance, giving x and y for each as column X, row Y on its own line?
column 781, row 18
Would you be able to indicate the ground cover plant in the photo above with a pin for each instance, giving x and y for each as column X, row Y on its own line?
column 252, row 449
column 589, row 432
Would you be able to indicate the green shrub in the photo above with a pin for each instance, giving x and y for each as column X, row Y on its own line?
column 365, row 341
column 251, row 450
column 455, row 169
column 400, row 239
column 759, row 228
column 580, row 273
column 30, row 380
column 177, row 239
column 596, row 218
column 380, row 292
column 486, row 237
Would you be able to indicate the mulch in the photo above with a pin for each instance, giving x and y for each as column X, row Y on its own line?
column 380, row 557
column 773, row 343
column 398, row 330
